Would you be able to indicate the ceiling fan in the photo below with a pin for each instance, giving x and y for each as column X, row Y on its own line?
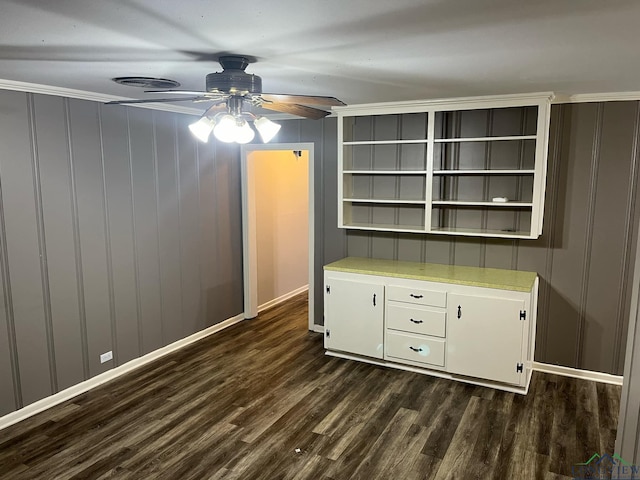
column 232, row 89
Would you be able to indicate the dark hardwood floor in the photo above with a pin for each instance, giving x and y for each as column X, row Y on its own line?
column 260, row 400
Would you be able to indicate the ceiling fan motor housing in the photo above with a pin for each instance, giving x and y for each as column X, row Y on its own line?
column 235, row 82
column 233, row 78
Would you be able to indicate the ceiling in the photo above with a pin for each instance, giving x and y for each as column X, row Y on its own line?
column 360, row 51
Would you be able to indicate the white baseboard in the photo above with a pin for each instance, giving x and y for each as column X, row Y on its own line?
column 318, row 328
column 69, row 393
column 282, row 298
column 575, row 373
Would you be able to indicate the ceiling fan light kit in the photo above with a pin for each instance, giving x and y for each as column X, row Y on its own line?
column 202, row 129
column 232, row 88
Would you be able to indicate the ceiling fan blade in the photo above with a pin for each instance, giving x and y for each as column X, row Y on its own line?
column 294, row 109
column 183, row 92
column 301, row 99
column 156, row 100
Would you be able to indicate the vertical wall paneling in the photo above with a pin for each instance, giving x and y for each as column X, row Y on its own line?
column 591, row 210
column 228, row 254
column 44, row 275
column 119, row 207
column 189, row 228
column 87, row 164
column 169, row 226
column 22, row 247
column 9, row 394
column 57, row 212
column 603, row 306
column 630, row 235
column 146, row 226
column 101, row 215
column 109, row 253
column 409, row 248
column 208, row 237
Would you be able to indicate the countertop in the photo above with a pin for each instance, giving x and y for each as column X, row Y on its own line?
column 515, row 280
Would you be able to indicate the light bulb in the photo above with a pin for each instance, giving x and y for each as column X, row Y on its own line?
column 225, row 129
column 244, row 132
column 202, row 129
column 266, row 128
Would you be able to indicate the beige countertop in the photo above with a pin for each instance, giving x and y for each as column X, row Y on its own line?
column 515, row 280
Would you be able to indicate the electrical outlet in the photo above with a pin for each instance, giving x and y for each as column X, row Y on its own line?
column 105, row 357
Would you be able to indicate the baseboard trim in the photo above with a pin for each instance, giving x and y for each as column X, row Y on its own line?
column 576, row 373
column 67, row 394
column 282, row 298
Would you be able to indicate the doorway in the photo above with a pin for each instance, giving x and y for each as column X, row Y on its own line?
column 277, row 225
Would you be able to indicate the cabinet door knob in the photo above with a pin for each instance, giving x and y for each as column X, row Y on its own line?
column 415, row 296
column 415, row 321
column 415, row 349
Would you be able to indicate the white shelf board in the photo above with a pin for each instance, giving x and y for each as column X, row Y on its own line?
column 484, row 139
column 385, row 172
column 385, row 227
column 482, row 204
column 483, row 172
column 481, row 233
column 385, row 200
column 385, row 142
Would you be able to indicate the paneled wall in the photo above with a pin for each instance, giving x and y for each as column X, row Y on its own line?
column 117, row 232
column 585, row 253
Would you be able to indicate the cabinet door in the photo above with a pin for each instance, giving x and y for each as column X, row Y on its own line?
column 354, row 317
column 484, row 337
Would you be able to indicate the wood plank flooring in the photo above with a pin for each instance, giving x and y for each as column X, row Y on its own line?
column 260, row 400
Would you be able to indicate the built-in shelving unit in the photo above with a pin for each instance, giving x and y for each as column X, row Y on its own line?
column 470, row 166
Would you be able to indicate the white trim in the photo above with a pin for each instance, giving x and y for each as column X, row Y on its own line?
column 282, row 298
column 575, row 373
column 93, row 96
column 249, row 258
column 598, row 97
column 318, row 328
column 67, row 394
column 441, row 104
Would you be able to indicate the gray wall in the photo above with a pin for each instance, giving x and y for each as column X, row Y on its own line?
column 584, row 255
column 117, row 232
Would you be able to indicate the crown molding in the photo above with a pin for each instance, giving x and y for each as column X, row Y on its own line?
column 86, row 95
column 598, row 97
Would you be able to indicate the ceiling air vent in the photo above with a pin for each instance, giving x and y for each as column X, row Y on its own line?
column 146, row 82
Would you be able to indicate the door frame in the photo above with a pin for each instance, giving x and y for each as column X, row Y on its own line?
column 249, row 239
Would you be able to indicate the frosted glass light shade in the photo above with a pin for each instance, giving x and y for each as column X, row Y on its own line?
column 202, row 129
column 244, row 132
column 225, row 129
column 266, row 128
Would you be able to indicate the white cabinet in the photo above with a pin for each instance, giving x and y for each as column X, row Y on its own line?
column 361, row 301
column 470, row 324
column 470, row 166
column 485, row 336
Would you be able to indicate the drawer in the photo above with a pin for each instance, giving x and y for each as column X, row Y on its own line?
column 415, row 348
column 433, row 298
column 420, row 320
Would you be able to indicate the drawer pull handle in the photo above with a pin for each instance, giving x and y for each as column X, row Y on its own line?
column 459, row 311
column 374, row 299
column 415, row 296
column 415, row 349
column 415, row 321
